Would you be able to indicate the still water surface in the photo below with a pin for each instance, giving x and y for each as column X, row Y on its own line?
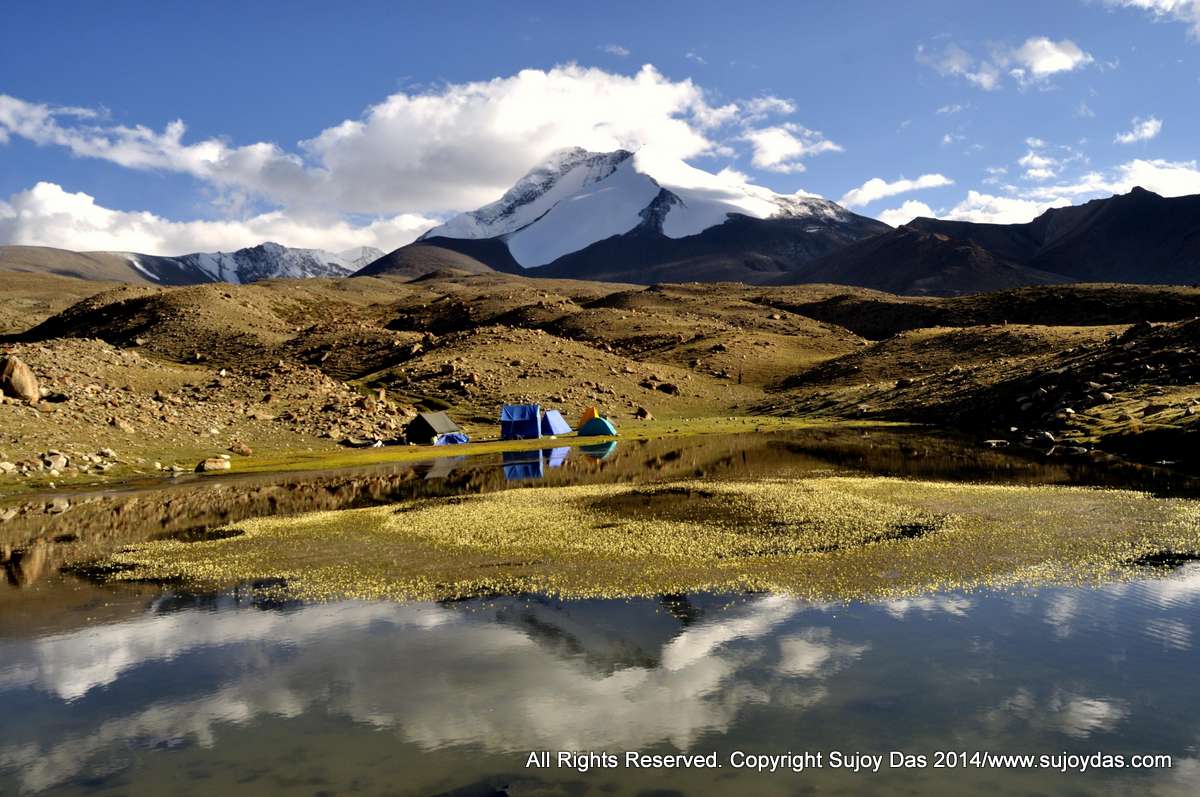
column 110, row 690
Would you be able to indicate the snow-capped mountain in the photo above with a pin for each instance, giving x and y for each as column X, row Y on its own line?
column 265, row 261
column 620, row 215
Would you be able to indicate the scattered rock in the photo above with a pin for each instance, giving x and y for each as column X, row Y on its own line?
column 55, row 460
column 643, row 413
column 17, row 379
column 241, row 449
column 122, row 424
column 212, row 464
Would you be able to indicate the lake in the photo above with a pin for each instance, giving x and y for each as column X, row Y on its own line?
column 111, row 687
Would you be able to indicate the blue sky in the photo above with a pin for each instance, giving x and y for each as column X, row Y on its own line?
column 169, row 127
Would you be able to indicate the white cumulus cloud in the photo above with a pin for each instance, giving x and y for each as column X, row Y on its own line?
column 1141, row 130
column 878, row 188
column 421, row 154
column 981, row 207
column 48, row 215
column 1039, row 57
column 449, row 148
column 780, row 148
column 908, row 210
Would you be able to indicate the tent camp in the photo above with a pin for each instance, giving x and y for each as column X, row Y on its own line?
column 520, row 422
column 435, row 428
column 553, row 423
column 588, row 414
column 598, row 427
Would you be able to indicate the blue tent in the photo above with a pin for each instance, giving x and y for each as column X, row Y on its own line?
column 555, row 457
column 451, row 439
column 522, row 465
column 553, row 423
column 520, row 422
column 598, row 427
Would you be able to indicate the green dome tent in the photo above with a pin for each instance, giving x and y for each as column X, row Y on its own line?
column 598, row 427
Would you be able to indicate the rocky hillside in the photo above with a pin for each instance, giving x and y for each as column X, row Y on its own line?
column 170, row 374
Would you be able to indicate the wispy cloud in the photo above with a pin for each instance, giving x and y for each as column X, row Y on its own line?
column 1030, row 63
column 1185, row 11
column 616, row 49
column 1142, row 130
column 878, row 188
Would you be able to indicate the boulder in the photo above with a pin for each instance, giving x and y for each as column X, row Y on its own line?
column 122, row 424
column 643, row 413
column 55, row 460
column 212, row 464
column 17, row 379
column 241, row 449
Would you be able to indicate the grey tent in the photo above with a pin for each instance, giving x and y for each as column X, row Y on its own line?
column 428, row 427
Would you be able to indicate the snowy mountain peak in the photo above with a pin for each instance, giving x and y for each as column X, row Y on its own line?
column 562, row 174
column 575, row 198
column 268, row 260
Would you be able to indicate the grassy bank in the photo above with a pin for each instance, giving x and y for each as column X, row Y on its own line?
column 820, row 538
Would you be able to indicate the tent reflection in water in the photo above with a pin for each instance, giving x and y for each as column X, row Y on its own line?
column 520, row 422
column 555, row 457
column 434, row 428
column 520, row 465
column 553, row 423
column 442, row 467
column 600, row 450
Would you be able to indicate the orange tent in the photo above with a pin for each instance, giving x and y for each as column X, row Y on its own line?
column 588, row 414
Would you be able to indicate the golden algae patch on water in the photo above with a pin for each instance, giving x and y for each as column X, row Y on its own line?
column 825, row 538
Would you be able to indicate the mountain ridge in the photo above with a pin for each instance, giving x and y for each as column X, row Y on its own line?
column 267, row 260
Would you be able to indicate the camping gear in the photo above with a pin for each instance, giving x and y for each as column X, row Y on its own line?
column 553, row 423
column 451, row 439
column 520, row 422
column 598, row 427
column 520, row 465
column 588, row 414
column 555, row 457
column 428, row 427
column 600, row 450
